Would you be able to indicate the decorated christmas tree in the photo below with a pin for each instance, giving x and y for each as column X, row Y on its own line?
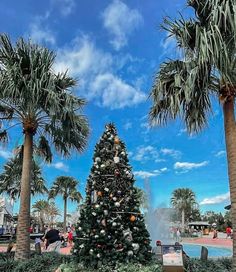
column 111, row 228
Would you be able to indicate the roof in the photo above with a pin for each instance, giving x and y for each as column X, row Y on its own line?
column 199, row 223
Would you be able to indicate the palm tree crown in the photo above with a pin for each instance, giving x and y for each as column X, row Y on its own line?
column 67, row 188
column 182, row 88
column 41, row 102
column 11, row 176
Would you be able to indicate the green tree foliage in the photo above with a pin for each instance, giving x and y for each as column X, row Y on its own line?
column 41, row 102
column 67, row 188
column 11, row 176
column 184, row 87
column 184, row 201
column 111, row 228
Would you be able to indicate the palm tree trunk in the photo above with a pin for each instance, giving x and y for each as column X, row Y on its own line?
column 65, row 213
column 183, row 219
column 23, row 235
column 230, row 138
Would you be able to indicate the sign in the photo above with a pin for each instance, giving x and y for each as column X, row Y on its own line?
column 172, row 255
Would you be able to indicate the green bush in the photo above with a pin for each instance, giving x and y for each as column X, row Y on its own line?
column 48, row 261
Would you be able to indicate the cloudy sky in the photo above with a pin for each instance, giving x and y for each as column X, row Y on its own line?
column 114, row 49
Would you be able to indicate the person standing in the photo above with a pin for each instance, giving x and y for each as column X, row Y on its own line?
column 215, row 234
column 178, row 235
column 228, row 232
column 53, row 240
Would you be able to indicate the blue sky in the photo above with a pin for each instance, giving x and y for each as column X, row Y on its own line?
column 114, row 49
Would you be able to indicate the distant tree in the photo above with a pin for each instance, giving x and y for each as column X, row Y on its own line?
column 10, row 178
column 41, row 207
column 67, row 188
column 40, row 101
column 184, row 201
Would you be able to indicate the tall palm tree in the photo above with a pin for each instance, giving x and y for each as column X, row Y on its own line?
column 11, row 176
column 40, row 101
column 184, row 87
column 184, row 201
column 67, row 187
column 41, row 207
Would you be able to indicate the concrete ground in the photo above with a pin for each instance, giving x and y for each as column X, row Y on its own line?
column 221, row 241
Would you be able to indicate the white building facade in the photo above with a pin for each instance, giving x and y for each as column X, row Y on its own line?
column 6, row 213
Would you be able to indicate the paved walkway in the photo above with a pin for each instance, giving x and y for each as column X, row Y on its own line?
column 205, row 240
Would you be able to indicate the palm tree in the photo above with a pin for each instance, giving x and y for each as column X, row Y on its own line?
column 183, row 200
column 207, row 68
column 41, row 207
column 40, row 101
column 11, row 176
column 65, row 186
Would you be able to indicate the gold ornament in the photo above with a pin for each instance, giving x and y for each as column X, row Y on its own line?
column 116, row 140
column 132, row 218
column 99, row 193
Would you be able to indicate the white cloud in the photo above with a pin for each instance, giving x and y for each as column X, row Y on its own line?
column 120, row 21
column 128, row 125
column 39, row 33
column 60, row 166
column 97, row 69
column 220, row 154
column 216, row 199
column 5, row 154
column 65, row 7
column 182, row 131
column 171, row 152
column 148, row 174
column 186, row 166
column 145, row 153
column 111, row 91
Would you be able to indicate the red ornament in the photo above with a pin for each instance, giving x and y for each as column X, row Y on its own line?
column 117, row 172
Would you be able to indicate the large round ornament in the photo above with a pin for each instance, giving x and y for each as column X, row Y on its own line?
column 116, row 159
column 130, row 253
column 91, row 251
column 105, row 212
column 117, row 204
column 97, row 159
column 132, row 218
column 102, row 232
column 114, row 198
column 117, row 172
column 135, row 246
column 114, row 224
column 99, row 193
column 116, row 140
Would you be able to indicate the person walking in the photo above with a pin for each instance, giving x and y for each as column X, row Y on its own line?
column 228, row 232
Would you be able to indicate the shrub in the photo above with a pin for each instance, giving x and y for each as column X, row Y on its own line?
column 48, row 261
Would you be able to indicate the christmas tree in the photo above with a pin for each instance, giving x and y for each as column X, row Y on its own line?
column 111, row 228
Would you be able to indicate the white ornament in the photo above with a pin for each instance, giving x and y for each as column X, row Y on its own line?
column 94, row 214
column 130, row 253
column 91, row 251
column 81, row 246
column 97, row 159
column 98, row 255
column 117, row 204
column 105, row 212
column 97, row 206
column 135, row 246
column 106, row 189
column 116, row 159
column 103, row 166
column 102, row 232
column 114, row 224
column 79, row 228
column 114, row 198
column 96, row 236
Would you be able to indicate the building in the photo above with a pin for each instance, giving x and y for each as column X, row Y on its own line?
column 6, row 213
